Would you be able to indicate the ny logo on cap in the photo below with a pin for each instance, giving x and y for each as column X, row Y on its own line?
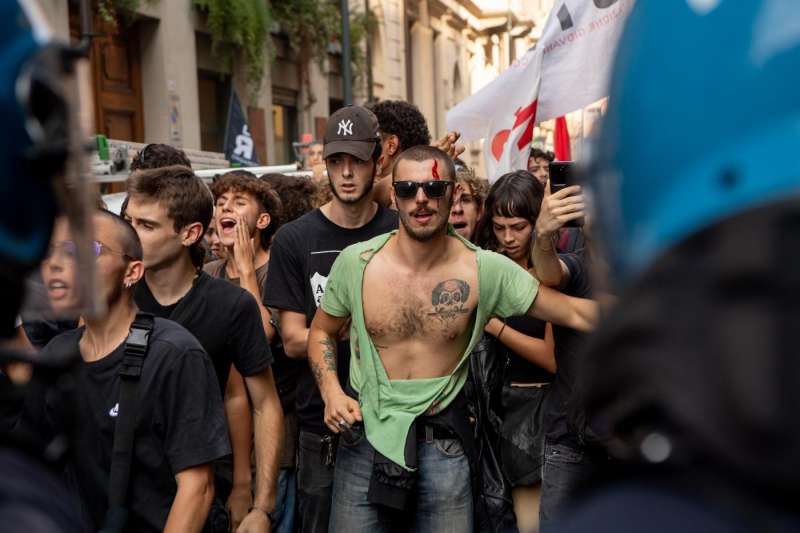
column 345, row 127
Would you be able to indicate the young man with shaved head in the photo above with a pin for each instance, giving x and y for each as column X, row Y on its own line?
column 180, row 423
column 418, row 300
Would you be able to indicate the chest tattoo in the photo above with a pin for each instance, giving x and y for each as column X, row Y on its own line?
column 449, row 300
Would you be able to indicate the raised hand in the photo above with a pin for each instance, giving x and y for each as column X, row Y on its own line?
column 243, row 254
column 448, row 144
column 559, row 208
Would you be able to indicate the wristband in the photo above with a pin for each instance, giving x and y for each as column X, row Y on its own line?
column 501, row 330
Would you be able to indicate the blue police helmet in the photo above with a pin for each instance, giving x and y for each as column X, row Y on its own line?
column 703, row 123
column 33, row 143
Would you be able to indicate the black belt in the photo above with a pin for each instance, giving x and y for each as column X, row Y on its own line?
column 430, row 432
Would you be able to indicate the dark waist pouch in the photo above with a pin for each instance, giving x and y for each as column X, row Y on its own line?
column 522, row 434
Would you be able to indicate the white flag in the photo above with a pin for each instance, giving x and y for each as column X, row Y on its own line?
column 503, row 114
column 578, row 43
column 567, row 70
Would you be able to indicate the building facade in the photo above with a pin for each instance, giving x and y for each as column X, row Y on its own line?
column 157, row 79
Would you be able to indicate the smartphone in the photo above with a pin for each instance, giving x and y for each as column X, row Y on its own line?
column 562, row 175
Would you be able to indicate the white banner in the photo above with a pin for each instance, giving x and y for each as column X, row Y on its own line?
column 579, row 43
column 567, row 70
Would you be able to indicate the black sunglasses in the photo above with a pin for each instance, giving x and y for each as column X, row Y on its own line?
column 432, row 189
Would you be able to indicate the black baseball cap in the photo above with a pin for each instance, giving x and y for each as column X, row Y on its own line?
column 351, row 130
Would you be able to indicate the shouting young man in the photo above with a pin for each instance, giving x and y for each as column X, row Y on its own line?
column 180, row 422
column 418, row 299
column 302, row 254
column 249, row 212
column 170, row 209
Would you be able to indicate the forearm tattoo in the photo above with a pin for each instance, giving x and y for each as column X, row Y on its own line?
column 328, row 357
column 449, row 298
column 329, row 354
column 317, row 371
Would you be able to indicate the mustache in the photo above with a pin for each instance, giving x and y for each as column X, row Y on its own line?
column 422, row 211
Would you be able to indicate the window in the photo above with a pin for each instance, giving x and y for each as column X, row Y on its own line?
column 214, row 93
column 284, row 124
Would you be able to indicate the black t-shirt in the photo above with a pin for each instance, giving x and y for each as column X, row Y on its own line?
column 284, row 368
column 301, row 257
column 181, row 422
column 569, row 345
column 520, row 370
column 224, row 318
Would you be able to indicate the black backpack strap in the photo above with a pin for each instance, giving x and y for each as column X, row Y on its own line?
column 131, row 370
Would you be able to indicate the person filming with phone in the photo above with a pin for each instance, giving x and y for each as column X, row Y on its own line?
column 562, row 194
column 568, row 460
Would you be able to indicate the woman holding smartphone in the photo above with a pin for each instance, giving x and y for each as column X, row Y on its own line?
column 506, row 226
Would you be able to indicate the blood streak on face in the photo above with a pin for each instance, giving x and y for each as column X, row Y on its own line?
column 435, row 175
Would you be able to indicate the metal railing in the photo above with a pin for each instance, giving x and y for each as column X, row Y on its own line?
column 208, row 174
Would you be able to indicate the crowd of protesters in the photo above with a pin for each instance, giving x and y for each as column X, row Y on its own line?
column 394, row 345
column 312, row 342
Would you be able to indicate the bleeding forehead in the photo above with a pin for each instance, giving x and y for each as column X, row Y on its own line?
column 431, row 169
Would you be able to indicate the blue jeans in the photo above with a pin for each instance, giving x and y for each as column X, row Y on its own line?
column 285, row 501
column 314, row 485
column 443, row 499
column 565, row 471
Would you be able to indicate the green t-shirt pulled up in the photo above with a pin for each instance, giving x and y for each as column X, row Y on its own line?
column 389, row 406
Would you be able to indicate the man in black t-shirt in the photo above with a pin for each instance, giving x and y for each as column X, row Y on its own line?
column 248, row 213
column 180, row 425
column 569, row 460
column 301, row 257
column 170, row 208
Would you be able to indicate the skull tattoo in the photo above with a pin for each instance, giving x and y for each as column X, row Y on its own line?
column 449, row 299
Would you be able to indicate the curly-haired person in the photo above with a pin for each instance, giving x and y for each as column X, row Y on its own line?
column 296, row 194
column 539, row 164
column 401, row 126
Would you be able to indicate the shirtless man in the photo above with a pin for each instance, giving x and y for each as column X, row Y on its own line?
column 427, row 295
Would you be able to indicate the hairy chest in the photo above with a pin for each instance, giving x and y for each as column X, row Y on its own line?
column 436, row 308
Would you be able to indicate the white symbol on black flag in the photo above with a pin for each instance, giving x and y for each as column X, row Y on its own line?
column 239, row 145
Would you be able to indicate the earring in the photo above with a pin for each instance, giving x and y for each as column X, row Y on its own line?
column 128, row 284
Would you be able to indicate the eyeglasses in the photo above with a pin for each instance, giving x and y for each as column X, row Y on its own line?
column 70, row 250
column 432, row 189
column 98, row 248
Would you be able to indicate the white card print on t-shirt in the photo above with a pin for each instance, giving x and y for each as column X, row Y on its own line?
column 318, row 282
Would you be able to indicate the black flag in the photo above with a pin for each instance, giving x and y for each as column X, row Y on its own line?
column 239, row 146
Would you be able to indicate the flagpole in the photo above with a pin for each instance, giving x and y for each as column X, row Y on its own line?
column 347, row 87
